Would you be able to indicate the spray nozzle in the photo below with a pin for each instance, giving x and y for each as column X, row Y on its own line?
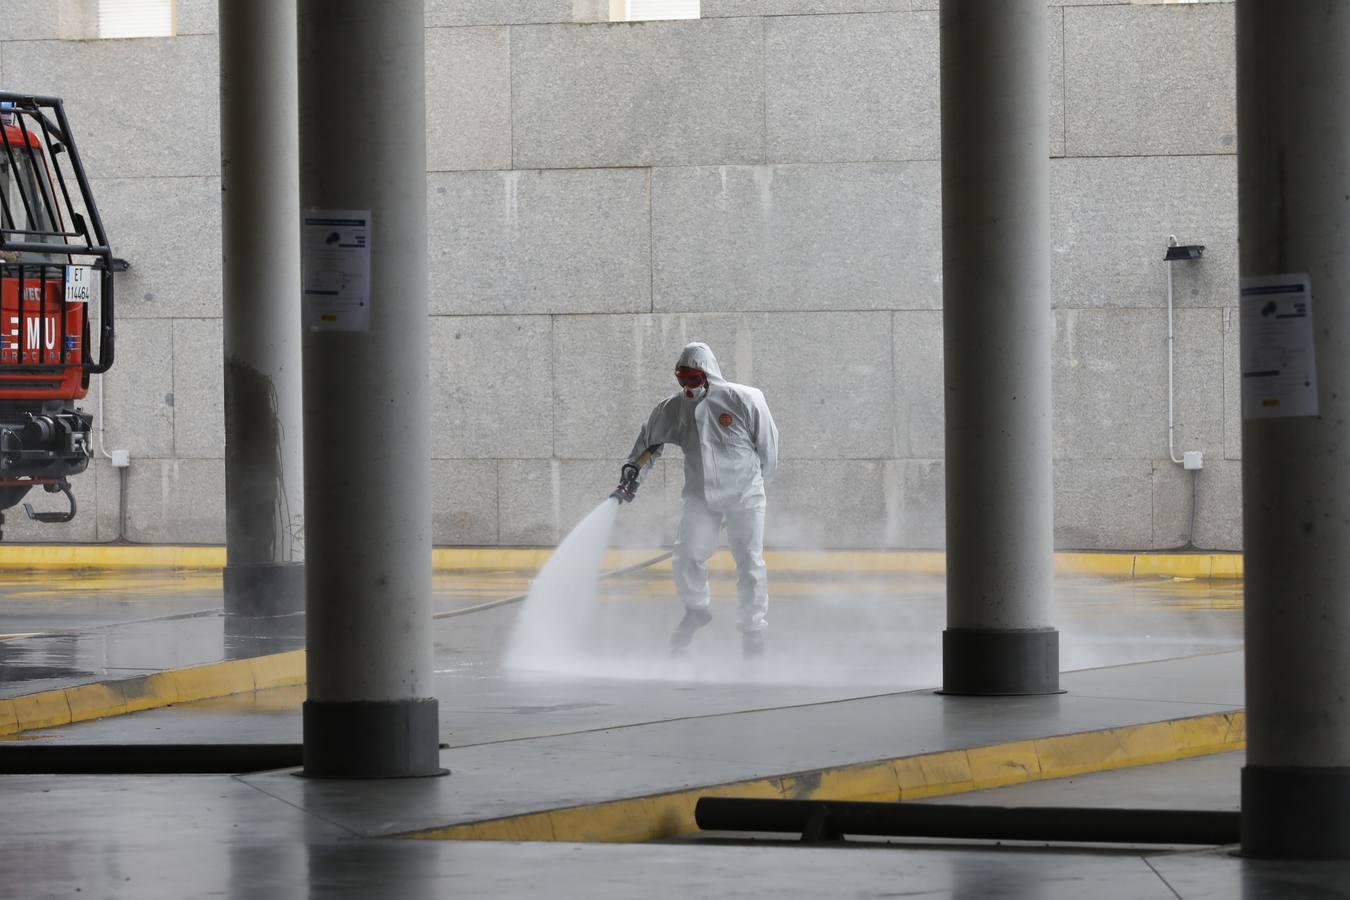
column 628, row 484
column 631, row 474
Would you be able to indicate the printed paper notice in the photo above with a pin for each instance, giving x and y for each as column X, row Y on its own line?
column 1279, row 371
column 335, row 273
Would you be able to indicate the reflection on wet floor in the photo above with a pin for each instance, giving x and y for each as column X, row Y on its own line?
column 64, row 628
column 26, row 660
column 833, row 639
column 885, row 629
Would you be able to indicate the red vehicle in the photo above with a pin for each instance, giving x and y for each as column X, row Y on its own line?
column 56, row 303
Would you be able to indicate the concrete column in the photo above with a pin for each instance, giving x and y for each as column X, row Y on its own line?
column 997, row 331
column 1293, row 63
column 260, row 201
column 371, row 711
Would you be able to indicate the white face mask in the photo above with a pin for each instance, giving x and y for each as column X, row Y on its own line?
column 693, row 395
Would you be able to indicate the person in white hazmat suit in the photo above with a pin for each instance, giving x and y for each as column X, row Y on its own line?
column 730, row 446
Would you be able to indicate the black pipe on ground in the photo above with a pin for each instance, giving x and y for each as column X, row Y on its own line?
column 832, row 819
column 147, row 759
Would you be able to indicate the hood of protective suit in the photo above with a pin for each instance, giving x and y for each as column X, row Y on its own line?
column 699, row 355
column 728, row 437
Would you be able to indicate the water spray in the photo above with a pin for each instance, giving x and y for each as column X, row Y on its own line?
column 518, row 598
column 561, row 600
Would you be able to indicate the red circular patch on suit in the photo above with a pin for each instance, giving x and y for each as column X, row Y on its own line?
column 725, row 420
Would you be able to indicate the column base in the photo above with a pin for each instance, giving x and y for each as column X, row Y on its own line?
column 264, row 589
column 991, row 662
column 1296, row 812
column 372, row 739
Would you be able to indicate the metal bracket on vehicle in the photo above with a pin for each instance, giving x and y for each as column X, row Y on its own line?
column 53, row 517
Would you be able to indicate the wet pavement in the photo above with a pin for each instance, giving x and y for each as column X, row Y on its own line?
column 66, row 628
column 175, row 837
column 1204, row 783
column 63, row 628
column 848, row 677
column 832, row 637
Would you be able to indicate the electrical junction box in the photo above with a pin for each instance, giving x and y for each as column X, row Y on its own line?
column 1193, row 459
column 122, row 458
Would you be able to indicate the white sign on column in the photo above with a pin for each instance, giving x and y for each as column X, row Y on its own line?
column 1279, row 366
column 335, row 269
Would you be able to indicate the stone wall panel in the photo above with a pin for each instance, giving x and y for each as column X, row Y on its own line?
column 198, row 389
column 139, row 108
column 464, row 502
column 1084, row 488
column 138, row 400
column 918, row 392
column 1110, row 222
column 468, row 98
column 631, row 94
column 169, row 230
column 176, row 501
column 539, row 242
column 864, row 236
column 491, row 387
column 1150, row 79
column 497, row 12
column 850, row 88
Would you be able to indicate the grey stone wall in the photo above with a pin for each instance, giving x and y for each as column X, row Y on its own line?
column 766, row 179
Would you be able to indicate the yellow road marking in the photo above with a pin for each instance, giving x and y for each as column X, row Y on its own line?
column 20, row 557
column 904, row 778
column 97, row 700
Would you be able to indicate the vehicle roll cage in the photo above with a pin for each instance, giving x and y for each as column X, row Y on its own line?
column 42, row 121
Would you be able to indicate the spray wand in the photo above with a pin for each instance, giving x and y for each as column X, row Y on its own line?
column 630, row 476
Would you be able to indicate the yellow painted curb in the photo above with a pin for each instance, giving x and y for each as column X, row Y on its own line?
column 49, row 709
column 1110, row 565
column 101, row 556
column 149, row 691
column 95, row 701
column 859, row 562
column 905, row 778
column 42, row 710
column 217, row 680
column 478, row 559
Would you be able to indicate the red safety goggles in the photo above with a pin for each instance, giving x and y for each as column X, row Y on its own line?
column 690, row 378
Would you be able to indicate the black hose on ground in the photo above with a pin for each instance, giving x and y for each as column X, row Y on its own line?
column 493, row 604
column 831, row 819
column 146, row 759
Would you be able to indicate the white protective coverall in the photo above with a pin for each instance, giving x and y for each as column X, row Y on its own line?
column 730, row 446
